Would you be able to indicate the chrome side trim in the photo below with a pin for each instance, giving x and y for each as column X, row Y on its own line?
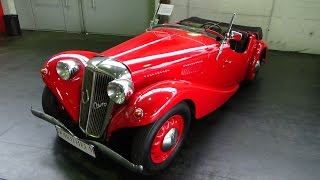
column 107, row 119
column 83, row 124
column 91, row 100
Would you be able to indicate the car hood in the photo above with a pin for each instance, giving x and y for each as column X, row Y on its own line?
column 159, row 47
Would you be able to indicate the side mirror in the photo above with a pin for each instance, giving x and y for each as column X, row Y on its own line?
column 236, row 36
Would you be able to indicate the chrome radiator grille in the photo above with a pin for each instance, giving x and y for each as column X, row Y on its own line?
column 96, row 107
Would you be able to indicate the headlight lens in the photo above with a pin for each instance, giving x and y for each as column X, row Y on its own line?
column 120, row 90
column 66, row 69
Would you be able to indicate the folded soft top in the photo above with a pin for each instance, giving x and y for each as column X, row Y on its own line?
column 255, row 30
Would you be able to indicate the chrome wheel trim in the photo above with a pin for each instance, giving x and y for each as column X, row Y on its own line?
column 170, row 139
column 257, row 66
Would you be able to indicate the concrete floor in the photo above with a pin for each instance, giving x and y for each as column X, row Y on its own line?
column 268, row 130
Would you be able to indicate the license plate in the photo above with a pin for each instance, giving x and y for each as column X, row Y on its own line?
column 85, row 147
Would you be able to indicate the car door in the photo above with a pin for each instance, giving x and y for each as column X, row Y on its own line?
column 228, row 67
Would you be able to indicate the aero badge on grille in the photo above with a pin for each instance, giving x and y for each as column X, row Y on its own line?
column 97, row 106
column 85, row 97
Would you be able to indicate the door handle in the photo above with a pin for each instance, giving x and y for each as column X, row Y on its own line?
column 93, row 3
column 227, row 62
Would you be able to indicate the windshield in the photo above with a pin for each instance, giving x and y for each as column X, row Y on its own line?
column 178, row 26
column 212, row 30
column 187, row 28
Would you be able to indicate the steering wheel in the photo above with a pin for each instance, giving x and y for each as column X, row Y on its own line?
column 209, row 25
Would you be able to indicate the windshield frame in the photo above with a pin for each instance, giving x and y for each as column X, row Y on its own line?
column 187, row 28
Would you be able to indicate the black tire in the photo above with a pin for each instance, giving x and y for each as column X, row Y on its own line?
column 257, row 71
column 50, row 105
column 143, row 139
column 256, row 76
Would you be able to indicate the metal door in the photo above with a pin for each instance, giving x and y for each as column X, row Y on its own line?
column 24, row 10
column 62, row 15
column 73, row 15
column 48, row 14
column 120, row 17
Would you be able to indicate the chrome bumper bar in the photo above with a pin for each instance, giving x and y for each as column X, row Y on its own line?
column 104, row 149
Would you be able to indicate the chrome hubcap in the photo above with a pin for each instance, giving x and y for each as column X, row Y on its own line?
column 257, row 66
column 170, row 139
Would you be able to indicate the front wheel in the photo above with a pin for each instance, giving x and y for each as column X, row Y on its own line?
column 51, row 104
column 53, row 107
column 155, row 146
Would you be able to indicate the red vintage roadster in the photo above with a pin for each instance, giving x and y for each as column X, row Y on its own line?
column 152, row 85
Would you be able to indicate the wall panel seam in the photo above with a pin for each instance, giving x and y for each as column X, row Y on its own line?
column 271, row 14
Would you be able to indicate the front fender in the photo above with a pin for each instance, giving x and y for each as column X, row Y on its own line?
column 67, row 92
column 159, row 98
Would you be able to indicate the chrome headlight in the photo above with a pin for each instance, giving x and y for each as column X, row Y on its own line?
column 66, row 69
column 120, row 90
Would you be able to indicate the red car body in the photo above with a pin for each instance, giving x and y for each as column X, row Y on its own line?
column 168, row 66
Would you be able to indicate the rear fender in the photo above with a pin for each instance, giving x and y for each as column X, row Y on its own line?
column 260, row 53
column 67, row 92
column 159, row 98
column 261, row 50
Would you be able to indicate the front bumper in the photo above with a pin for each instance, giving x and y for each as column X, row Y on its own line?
column 102, row 148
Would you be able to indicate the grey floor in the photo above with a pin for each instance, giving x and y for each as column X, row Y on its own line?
column 268, row 130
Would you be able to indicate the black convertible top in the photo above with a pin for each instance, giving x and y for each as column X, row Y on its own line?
column 255, row 30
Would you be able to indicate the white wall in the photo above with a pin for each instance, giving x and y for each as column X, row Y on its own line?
column 25, row 14
column 289, row 25
column 8, row 7
column 118, row 17
column 295, row 26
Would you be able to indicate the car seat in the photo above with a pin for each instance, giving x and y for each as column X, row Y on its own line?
column 240, row 46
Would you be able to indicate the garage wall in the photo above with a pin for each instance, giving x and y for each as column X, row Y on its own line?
column 289, row 25
column 49, row 15
column 222, row 10
column 119, row 17
column 295, row 26
column 25, row 14
column 8, row 7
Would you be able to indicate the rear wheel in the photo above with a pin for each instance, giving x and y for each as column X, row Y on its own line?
column 155, row 146
column 254, row 71
column 257, row 68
